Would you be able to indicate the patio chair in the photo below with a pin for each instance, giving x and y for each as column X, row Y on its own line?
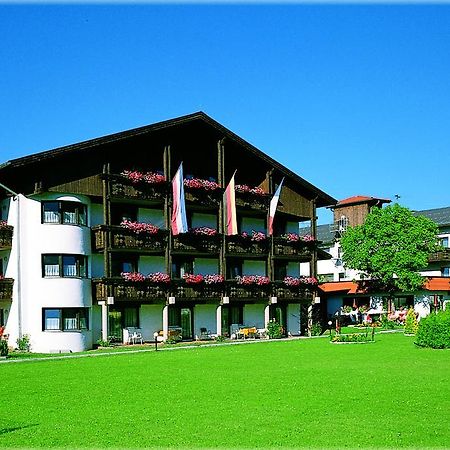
column 205, row 334
column 135, row 336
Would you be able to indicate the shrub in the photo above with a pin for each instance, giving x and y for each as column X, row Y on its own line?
column 355, row 337
column 316, row 329
column 104, row 342
column 219, row 338
column 171, row 340
column 386, row 323
column 23, row 343
column 411, row 323
column 434, row 331
column 274, row 330
column 4, row 350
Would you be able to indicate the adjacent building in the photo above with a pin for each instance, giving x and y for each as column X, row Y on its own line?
column 86, row 249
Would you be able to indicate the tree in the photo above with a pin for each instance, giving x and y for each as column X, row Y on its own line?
column 390, row 248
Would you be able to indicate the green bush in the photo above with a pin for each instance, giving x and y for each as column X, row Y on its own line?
column 274, row 330
column 23, row 343
column 411, row 323
column 434, row 331
column 104, row 343
column 316, row 329
column 355, row 337
column 4, row 350
column 386, row 323
column 219, row 338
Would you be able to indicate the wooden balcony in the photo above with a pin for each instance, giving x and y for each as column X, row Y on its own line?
column 283, row 249
column 296, row 294
column 121, row 238
column 198, row 244
column 121, row 188
column 252, row 201
column 121, row 290
column 6, row 288
column 203, row 198
column 441, row 256
column 240, row 291
column 180, row 290
column 6, row 236
column 238, row 246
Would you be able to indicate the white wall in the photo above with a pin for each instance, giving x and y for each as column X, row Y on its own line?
column 293, row 319
column 153, row 216
column 206, row 266
column 151, row 320
column 254, row 315
column 249, row 224
column 204, row 220
column 205, row 317
column 38, row 292
column 151, row 264
column 250, row 267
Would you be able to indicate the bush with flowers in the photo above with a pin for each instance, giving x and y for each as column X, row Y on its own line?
column 300, row 281
column 133, row 276
column 3, row 224
column 254, row 236
column 294, row 238
column 203, row 231
column 146, row 177
column 140, row 227
column 158, row 277
column 245, row 189
column 256, row 280
column 136, row 277
column 190, row 278
column 199, row 183
column 213, row 279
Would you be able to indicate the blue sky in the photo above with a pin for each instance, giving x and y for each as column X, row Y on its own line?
column 354, row 98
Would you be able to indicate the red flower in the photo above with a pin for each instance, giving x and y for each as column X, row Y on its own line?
column 192, row 279
column 140, row 227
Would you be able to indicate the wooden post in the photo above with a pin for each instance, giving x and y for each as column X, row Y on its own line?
column 221, row 180
column 313, row 262
column 270, row 263
column 167, row 208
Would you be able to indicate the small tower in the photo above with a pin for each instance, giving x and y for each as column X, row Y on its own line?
column 353, row 211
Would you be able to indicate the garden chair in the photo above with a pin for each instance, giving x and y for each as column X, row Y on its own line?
column 205, row 334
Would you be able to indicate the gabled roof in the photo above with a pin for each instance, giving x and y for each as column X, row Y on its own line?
column 323, row 199
column 361, row 199
column 441, row 216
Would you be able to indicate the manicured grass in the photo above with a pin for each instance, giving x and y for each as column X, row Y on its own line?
column 299, row 393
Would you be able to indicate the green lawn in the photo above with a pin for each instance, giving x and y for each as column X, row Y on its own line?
column 299, row 393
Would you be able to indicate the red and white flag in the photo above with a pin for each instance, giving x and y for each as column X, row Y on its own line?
column 273, row 208
column 229, row 201
column 179, row 221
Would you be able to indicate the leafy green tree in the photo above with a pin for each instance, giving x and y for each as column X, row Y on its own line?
column 411, row 324
column 390, row 248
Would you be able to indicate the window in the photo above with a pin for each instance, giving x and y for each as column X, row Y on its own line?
column 65, row 319
column 64, row 212
column 182, row 266
column 70, row 266
column 445, row 271
column 444, row 242
column 234, row 269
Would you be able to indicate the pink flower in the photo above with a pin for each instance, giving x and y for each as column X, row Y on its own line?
column 3, row 223
column 140, row 227
column 213, row 279
column 299, row 281
column 148, row 177
column 307, row 238
column 192, row 279
column 204, row 231
column 291, row 237
column 245, row 189
column 199, row 183
column 158, row 277
column 258, row 236
column 132, row 276
column 247, row 280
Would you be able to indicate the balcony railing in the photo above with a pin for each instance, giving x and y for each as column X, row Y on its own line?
column 236, row 245
column 284, row 248
column 191, row 243
column 6, row 236
column 252, row 201
column 123, row 188
column 121, row 289
column 182, row 290
column 122, row 238
column 443, row 255
column 283, row 292
column 6, row 288
column 203, row 197
column 241, row 291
